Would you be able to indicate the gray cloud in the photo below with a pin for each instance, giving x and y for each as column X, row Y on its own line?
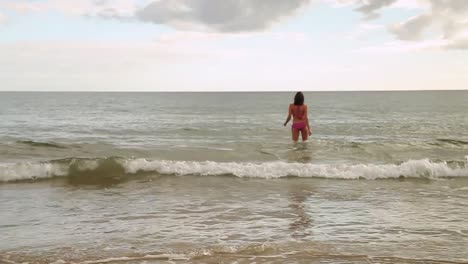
column 370, row 8
column 413, row 28
column 459, row 44
column 449, row 17
column 105, row 9
column 222, row 16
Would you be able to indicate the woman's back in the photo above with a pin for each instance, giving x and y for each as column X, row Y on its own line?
column 298, row 112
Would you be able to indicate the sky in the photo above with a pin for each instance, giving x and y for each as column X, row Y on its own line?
column 233, row 45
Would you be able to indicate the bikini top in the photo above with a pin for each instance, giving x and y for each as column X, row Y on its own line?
column 299, row 114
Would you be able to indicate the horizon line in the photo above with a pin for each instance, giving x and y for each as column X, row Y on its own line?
column 224, row 91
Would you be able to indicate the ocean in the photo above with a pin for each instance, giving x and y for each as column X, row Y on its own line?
column 215, row 178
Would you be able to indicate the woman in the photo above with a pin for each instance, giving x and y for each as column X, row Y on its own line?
column 300, row 119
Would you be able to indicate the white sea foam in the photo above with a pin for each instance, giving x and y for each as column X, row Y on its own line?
column 413, row 169
column 29, row 171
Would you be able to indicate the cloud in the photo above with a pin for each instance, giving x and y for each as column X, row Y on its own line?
column 449, row 16
column 102, row 8
column 221, row 16
column 3, row 19
column 435, row 19
column 369, row 8
column 413, row 28
column 448, row 19
column 398, row 46
column 363, row 31
column 198, row 15
column 410, row 4
column 93, row 65
column 173, row 61
column 460, row 43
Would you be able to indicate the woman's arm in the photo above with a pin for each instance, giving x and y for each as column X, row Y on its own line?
column 289, row 116
column 307, row 120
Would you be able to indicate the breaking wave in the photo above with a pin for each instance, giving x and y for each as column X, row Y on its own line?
column 116, row 167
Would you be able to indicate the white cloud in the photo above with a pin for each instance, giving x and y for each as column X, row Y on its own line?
column 461, row 42
column 95, row 65
column 178, row 61
column 398, row 46
column 222, row 16
column 448, row 16
column 363, row 30
column 448, row 19
column 105, row 8
column 411, row 4
column 440, row 24
column 202, row 61
column 202, row 15
column 3, row 19
column 193, row 37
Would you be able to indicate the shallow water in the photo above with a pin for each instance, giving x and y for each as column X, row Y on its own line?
column 214, row 178
column 214, row 218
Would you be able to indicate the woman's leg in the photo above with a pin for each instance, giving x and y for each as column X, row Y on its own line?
column 295, row 134
column 305, row 134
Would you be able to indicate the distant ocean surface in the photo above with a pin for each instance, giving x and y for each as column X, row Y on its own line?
column 216, row 178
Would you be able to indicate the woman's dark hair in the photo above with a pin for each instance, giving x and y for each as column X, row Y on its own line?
column 299, row 99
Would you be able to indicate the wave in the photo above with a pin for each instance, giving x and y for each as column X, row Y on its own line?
column 39, row 144
column 453, row 141
column 114, row 168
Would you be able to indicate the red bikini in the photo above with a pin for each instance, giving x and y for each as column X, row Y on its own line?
column 301, row 124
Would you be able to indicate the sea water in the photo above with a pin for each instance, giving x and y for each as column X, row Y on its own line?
column 216, row 178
